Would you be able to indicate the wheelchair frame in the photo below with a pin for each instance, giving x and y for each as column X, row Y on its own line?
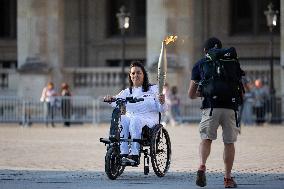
column 150, row 145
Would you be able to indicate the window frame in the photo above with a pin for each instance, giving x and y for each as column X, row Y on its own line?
column 257, row 26
column 8, row 17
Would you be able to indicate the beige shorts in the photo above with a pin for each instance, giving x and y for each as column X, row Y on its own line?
column 220, row 116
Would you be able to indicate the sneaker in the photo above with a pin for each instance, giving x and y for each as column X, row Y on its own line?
column 230, row 183
column 201, row 178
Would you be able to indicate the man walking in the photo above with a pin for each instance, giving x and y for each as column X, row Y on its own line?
column 215, row 111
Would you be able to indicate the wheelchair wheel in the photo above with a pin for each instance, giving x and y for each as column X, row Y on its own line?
column 160, row 150
column 113, row 168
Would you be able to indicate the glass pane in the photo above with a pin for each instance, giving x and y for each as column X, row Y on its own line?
column 140, row 22
column 8, row 18
column 242, row 18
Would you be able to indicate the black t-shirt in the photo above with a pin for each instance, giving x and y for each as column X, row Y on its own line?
column 206, row 102
column 196, row 74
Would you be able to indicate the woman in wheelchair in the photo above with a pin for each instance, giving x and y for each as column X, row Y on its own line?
column 139, row 114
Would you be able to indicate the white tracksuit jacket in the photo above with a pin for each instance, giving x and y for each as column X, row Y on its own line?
column 138, row 115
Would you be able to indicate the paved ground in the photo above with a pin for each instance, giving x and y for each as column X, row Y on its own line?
column 40, row 157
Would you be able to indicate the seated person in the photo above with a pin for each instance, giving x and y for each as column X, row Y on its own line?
column 141, row 113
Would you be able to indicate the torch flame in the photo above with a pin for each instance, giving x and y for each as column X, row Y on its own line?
column 170, row 38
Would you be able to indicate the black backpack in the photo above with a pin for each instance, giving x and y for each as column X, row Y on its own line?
column 221, row 78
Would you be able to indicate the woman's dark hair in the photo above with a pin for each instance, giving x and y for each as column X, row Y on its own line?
column 146, row 84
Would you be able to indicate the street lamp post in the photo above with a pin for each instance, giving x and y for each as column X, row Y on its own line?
column 271, row 19
column 123, row 24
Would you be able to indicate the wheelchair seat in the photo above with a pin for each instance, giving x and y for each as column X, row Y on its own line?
column 147, row 134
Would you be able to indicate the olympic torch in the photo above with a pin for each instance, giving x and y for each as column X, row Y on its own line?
column 162, row 64
column 162, row 68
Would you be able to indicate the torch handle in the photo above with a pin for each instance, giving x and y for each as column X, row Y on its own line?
column 162, row 68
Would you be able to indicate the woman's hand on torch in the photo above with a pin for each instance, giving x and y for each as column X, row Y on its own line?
column 161, row 98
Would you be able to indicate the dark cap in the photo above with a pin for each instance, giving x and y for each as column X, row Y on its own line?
column 212, row 42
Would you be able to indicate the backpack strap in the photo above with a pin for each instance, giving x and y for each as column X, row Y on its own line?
column 236, row 118
column 236, row 108
column 211, row 107
column 211, row 110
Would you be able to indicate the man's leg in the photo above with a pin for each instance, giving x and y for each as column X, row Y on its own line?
column 228, row 156
column 204, row 151
column 208, row 131
column 230, row 133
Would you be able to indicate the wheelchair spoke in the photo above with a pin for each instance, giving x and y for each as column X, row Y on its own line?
column 161, row 152
column 113, row 167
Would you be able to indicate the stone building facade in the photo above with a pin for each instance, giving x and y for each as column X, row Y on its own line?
column 78, row 41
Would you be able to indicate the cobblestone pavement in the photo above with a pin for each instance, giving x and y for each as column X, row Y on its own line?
column 40, row 157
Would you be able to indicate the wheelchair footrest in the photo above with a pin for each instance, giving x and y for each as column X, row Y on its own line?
column 105, row 140
column 129, row 162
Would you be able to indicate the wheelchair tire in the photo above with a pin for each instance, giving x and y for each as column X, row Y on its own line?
column 113, row 168
column 160, row 151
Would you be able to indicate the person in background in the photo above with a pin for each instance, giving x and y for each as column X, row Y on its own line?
column 247, row 107
column 175, row 104
column 48, row 97
column 167, row 116
column 260, row 95
column 66, row 103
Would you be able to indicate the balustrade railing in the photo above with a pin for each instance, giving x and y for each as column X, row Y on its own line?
column 95, row 77
column 89, row 110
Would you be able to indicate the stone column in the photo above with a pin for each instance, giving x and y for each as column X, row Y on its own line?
column 40, row 44
column 282, row 48
column 156, row 29
column 183, row 18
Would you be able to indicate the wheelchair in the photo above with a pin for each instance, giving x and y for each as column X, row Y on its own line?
column 155, row 144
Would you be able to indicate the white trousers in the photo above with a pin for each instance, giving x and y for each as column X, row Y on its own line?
column 134, row 126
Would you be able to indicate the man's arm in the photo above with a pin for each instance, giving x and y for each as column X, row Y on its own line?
column 195, row 78
column 192, row 91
